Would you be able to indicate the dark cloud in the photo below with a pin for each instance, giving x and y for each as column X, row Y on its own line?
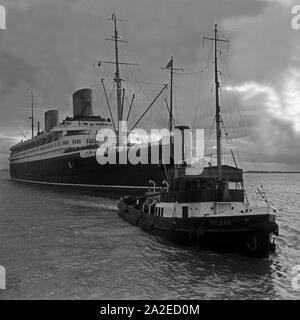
column 50, row 47
column 15, row 70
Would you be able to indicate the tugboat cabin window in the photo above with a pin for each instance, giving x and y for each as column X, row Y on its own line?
column 185, row 212
column 160, row 212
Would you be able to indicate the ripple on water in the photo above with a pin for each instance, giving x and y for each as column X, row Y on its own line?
column 57, row 244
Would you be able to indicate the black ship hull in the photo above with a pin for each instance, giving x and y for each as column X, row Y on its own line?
column 248, row 234
column 71, row 170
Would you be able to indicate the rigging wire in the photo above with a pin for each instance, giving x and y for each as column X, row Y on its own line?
column 139, row 88
column 202, row 86
column 257, row 179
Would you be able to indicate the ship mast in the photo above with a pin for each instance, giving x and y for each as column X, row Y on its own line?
column 218, row 118
column 171, row 95
column 216, row 40
column 116, row 38
column 170, row 66
column 32, row 121
column 117, row 74
column 121, row 92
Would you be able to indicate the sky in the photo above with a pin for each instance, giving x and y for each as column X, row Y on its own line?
column 50, row 46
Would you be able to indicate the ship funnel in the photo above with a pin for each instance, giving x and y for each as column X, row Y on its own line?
column 82, row 103
column 182, row 144
column 51, row 119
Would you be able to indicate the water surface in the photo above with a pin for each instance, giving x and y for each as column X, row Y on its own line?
column 58, row 244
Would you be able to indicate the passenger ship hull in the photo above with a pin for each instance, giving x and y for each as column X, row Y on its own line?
column 73, row 170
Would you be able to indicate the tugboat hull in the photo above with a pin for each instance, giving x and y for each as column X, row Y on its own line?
column 247, row 234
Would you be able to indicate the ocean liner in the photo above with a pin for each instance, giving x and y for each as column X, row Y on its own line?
column 65, row 153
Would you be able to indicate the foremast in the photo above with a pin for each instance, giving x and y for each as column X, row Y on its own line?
column 116, row 38
column 117, row 79
column 121, row 91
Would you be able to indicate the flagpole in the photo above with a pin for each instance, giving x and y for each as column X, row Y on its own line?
column 171, row 97
column 170, row 66
column 32, row 122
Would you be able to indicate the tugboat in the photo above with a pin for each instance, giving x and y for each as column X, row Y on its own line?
column 204, row 209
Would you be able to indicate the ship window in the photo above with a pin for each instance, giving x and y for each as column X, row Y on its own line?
column 185, row 212
column 160, row 212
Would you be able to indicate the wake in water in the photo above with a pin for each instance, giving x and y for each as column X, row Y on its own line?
column 64, row 245
column 98, row 203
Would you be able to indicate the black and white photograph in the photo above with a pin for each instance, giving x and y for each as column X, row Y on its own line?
column 149, row 151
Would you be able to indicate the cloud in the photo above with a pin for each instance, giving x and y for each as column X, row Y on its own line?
column 15, row 70
column 50, row 47
column 266, row 76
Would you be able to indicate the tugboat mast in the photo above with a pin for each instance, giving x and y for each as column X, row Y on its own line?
column 216, row 40
column 218, row 118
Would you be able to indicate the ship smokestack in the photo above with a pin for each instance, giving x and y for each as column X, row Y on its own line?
column 183, row 144
column 51, row 119
column 82, row 103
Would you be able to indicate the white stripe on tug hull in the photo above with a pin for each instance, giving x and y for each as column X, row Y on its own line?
column 211, row 209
